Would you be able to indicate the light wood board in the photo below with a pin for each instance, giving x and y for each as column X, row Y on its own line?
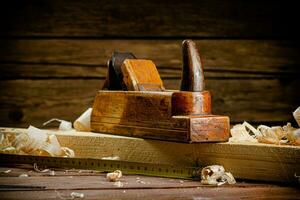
column 246, row 161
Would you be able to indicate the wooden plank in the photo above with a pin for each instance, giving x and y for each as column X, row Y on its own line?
column 166, row 194
column 17, row 170
column 88, row 58
column 96, row 182
column 247, row 161
column 25, row 102
column 148, row 19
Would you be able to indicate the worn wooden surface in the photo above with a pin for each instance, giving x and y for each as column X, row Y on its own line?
column 53, row 54
column 183, row 117
column 141, row 75
column 94, row 186
column 149, row 18
column 247, row 161
column 191, row 103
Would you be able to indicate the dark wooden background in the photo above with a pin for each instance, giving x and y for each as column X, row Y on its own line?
column 53, row 53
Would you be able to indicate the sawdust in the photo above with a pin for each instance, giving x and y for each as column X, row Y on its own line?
column 72, row 195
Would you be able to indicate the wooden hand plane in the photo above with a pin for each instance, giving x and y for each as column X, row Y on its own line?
column 150, row 111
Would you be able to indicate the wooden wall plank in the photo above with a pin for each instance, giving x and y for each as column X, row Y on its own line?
column 87, row 58
column 25, row 102
column 60, row 71
column 134, row 18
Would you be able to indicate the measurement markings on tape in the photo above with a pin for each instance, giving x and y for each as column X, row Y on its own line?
column 126, row 167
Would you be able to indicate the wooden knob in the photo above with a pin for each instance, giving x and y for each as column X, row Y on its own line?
column 192, row 71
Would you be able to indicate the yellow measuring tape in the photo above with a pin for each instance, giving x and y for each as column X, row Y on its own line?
column 126, row 167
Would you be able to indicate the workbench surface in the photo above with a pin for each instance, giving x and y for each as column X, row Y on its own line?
column 95, row 186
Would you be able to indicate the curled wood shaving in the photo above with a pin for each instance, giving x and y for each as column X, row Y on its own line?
column 114, row 176
column 227, row 177
column 294, row 137
column 67, row 152
column 239, row 133
column 83, row 123
column 265, row 134
column 36, row 168
column 52, row 146
column 296, row 115
column 23, row 175
column 216, row 175
column 30, row 141
column 6, row 171
column 63, row 125
column 33, row 142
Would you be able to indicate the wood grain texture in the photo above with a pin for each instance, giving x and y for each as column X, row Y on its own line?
column 151, row 115
column 238, row 72
column 254, row 192
column 88, row 58
column 148, row 19
column 39, row 100
column 247, row 161
column 138, row 114
column 212, row 128
column 96, row 182
column 94, row 186
column 191, row 103
column 141, row 75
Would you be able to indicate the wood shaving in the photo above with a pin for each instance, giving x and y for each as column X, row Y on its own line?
column 118, row 184
column 6, row 171
column 296, row 115
column 111, row 158
column 67, row 152
column 227, row 177
column 52, row 173
column 239, row 133
column 114, row 176
column 294, row 137
column 52, row 146
column 73, row 195
column 140, row 181
column 36, row 168
column 63, row 125
column 23, row 175
column 83, row 123
column 77, row 195
column 216, row 175
column 33, row 142
column 265, row 134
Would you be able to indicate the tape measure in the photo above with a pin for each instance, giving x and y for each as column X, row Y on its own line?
column 126, row 167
